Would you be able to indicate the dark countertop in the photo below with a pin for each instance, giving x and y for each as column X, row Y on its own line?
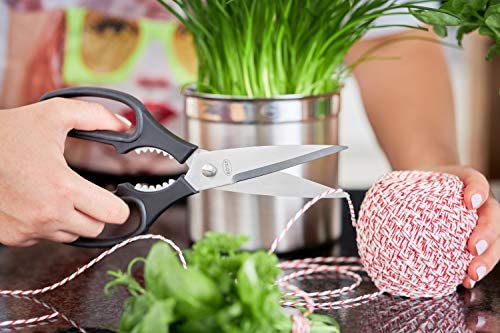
column 83, row 301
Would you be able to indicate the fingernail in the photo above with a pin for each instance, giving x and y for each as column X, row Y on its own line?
column 476, row 200
column 480, row 322
column 481, row 246
column 126, row 121
column 472, row 284
column 481, row 272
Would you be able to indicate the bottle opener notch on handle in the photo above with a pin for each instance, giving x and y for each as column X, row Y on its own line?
column 148, row 132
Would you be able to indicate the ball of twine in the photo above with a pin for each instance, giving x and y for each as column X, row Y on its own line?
column 412, row 233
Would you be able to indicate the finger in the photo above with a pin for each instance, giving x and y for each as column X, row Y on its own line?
column 83, row 225
column 477, row 188
column 468, row 282
column 99, row 203
column 482, row 265
column 487, row 230
column 30, row 242
column 88, row 116
column 61, row 237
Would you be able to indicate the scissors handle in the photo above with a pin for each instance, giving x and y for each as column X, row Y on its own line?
column 150, row 205
column 148, row 131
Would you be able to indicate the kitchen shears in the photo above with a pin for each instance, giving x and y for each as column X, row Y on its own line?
column 253, row 170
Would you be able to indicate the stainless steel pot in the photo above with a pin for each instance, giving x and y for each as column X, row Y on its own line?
column 217, row 122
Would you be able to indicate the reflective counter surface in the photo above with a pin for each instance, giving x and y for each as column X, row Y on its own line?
column 82, row 300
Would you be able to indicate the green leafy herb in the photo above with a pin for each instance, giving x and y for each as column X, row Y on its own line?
column 223, row 290
column 468, row 16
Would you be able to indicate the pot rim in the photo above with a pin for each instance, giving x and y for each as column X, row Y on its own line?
column 189, row 91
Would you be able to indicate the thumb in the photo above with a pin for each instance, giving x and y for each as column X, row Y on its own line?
column 88, row 116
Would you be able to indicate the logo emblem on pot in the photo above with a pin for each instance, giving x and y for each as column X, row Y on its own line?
column 226, row 167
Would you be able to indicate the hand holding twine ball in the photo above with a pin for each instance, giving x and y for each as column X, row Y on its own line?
column 412, row 233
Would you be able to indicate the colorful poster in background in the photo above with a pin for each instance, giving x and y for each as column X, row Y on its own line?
column 131, row 45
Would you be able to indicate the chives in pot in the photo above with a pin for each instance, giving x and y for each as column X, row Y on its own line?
column 270, row 72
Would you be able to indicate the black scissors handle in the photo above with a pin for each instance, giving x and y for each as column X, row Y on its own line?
column 148, row 132
column 150, row 205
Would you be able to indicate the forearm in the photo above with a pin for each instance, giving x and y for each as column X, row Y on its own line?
column 409, row 102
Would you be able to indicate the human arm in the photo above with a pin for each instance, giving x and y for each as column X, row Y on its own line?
column 410, row 107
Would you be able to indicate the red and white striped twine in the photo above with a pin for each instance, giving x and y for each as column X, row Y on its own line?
column 346, row 266
column 36, row 321
column 412, row 233
column 300, row 324
column 79, row 271
column 91, row 263
column 308, row 267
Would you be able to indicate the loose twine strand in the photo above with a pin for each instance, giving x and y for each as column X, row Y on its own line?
column 293, row 296
column 36, row 321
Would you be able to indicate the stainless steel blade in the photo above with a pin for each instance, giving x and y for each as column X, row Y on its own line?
column 210, row 169
column 281, row 184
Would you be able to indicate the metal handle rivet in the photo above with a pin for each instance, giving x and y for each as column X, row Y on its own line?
column 208, row 170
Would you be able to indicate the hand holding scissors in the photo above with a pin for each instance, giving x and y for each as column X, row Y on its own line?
column 254, row 170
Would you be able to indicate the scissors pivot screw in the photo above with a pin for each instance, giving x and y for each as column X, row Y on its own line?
column 208, row 170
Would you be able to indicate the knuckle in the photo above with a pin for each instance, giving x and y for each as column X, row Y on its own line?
column 95, row 107
column 64, row 190
column 68, row 238
column 55, row 108
column 63, row 237
column 96, row 230
column 56, row 102
column 112, row 215
column 60, row 111
column 46, row 214
column 58, row 105
column 118, row 213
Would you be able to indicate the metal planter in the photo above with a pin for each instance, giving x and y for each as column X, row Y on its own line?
column 217, row 122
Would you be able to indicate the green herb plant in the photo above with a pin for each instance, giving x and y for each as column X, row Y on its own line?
column 467, row 16
column 222, row 290
column 264, row 48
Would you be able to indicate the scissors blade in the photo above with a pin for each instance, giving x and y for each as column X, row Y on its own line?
column 230, row 166
column 281, row 184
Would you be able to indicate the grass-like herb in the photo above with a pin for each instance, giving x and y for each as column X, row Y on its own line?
column 263, row 48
